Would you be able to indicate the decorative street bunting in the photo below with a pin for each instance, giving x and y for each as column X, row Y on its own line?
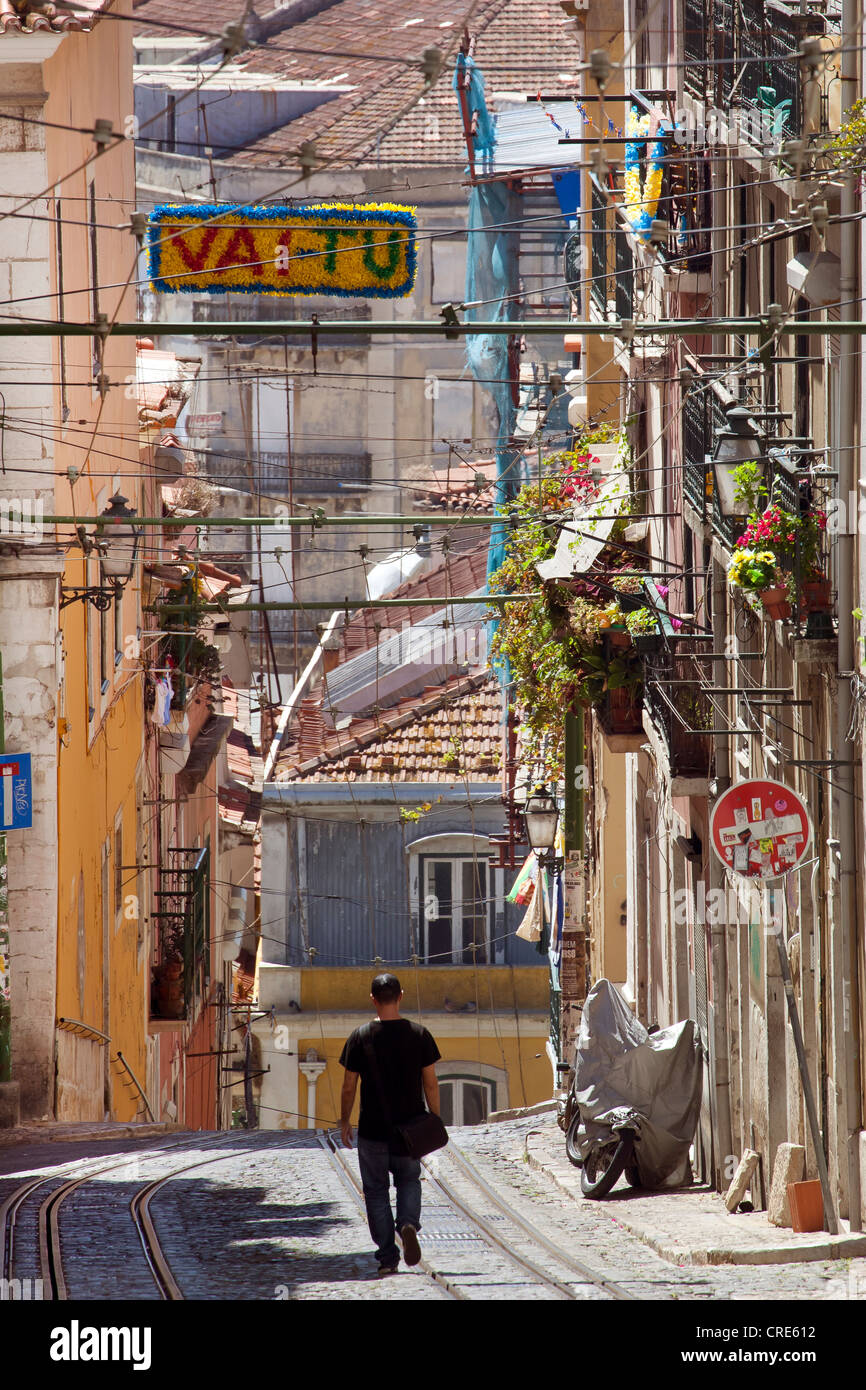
column 760, row 829
column 343, row 249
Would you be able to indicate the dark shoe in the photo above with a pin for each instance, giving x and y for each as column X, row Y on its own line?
column 411, row 1248
column 384, row 1270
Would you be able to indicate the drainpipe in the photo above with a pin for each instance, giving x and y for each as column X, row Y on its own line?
column 721, row 1079
column 844, row 942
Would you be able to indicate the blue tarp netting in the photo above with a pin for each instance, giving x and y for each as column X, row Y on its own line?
column 491, row 283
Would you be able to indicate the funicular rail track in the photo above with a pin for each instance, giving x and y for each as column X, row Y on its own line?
column 563, row 1257
column 48, row 1219
column 474, row 1223
column 353, row 1186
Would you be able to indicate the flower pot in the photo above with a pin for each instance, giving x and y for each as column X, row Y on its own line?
column 776, row 604
column 815, row 595
column 622, row 713
column 618, row 637
column 168, row 992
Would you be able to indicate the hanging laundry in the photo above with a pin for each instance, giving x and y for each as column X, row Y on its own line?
column 524, row 885
column 161, row 712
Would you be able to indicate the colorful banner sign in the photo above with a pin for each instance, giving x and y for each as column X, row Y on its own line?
column 365, row 251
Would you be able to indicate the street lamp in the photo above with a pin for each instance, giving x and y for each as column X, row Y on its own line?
column 738, row 443
column 117, row 556
column 541, row 815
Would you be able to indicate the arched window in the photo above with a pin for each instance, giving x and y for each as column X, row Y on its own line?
column 469, row 1091
column 456, row 899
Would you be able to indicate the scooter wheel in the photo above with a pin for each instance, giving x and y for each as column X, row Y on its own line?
column 571, row 1142
column 604, row 1166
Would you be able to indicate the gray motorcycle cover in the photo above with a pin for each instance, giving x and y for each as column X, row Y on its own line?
column 628, row 1078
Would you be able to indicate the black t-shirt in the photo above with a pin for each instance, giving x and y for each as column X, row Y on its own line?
column 402, row 1050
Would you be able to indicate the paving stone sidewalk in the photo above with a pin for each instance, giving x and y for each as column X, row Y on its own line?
column 690, row 1226
column 604, row 1233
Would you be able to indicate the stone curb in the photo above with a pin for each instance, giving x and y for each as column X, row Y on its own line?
column 48, row 1132
column 544, row 1107
column 822, row 1247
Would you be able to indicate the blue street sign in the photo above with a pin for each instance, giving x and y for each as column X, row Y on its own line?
column 16, row 792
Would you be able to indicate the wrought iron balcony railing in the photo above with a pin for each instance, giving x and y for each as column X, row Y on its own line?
column 312, row 473
column 624, row 268
column 745, row 54
column 601, row 221
column 677, row 676
column 181, row 950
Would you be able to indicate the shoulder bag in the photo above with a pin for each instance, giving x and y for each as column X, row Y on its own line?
column 424, row 1133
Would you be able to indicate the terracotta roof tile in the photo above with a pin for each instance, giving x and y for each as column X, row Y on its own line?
column 432, row 737
column 33, row 16
column 464, row 572
column 521, row 44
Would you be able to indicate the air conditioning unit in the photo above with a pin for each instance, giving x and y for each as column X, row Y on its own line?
column 815, row 276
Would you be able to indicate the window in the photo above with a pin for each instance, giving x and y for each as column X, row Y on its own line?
column 448, row 262
column 452, row 413
column 118, row 869
column 90, row 638
column 455, row 916
column 94, row 278
column 61, row 309
column 465, row 1100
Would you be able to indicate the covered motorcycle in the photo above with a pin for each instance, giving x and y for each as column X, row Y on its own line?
column 635, row 1097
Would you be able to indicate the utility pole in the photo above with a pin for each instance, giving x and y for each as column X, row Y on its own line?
column 844, row 964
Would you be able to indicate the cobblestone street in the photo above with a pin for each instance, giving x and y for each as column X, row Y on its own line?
column 275, row 1216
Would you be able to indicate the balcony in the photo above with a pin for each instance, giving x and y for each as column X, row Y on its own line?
column 703, row 414
column 686, row 205
column 180, row 970
column 250, row 308
column 624, row 287
column 696, row 46
column 741, row 54
column 599, row 244
column 313, row 474
column 676, row 680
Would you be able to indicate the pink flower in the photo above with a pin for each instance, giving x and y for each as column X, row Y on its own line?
column 676, row 624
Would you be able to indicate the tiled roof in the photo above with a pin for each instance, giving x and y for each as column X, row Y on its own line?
column 464, row 573
column 240, row 807
column 164, row 383
column 35, row 16
column 521, row 44
column 455, row 491
column 450, row 732
column 240, row 803
column 206, row 15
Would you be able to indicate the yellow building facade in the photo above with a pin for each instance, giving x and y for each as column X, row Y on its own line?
column 101, row 945
column 493, row 1057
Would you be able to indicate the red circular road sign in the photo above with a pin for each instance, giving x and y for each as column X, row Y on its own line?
column 760, row 830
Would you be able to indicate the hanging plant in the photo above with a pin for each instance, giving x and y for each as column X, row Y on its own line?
column 558, row 644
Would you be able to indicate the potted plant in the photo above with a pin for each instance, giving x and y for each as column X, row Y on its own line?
column 757, row 572
column 815, row 593
column 612, row 625
column 169, row 995
column 775, row 544
column 644, row 629
column 168, row 988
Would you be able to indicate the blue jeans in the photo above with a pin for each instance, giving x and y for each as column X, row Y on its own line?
column 376, row 1163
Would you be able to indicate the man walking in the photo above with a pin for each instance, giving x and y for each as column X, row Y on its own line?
column 395, row 1081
